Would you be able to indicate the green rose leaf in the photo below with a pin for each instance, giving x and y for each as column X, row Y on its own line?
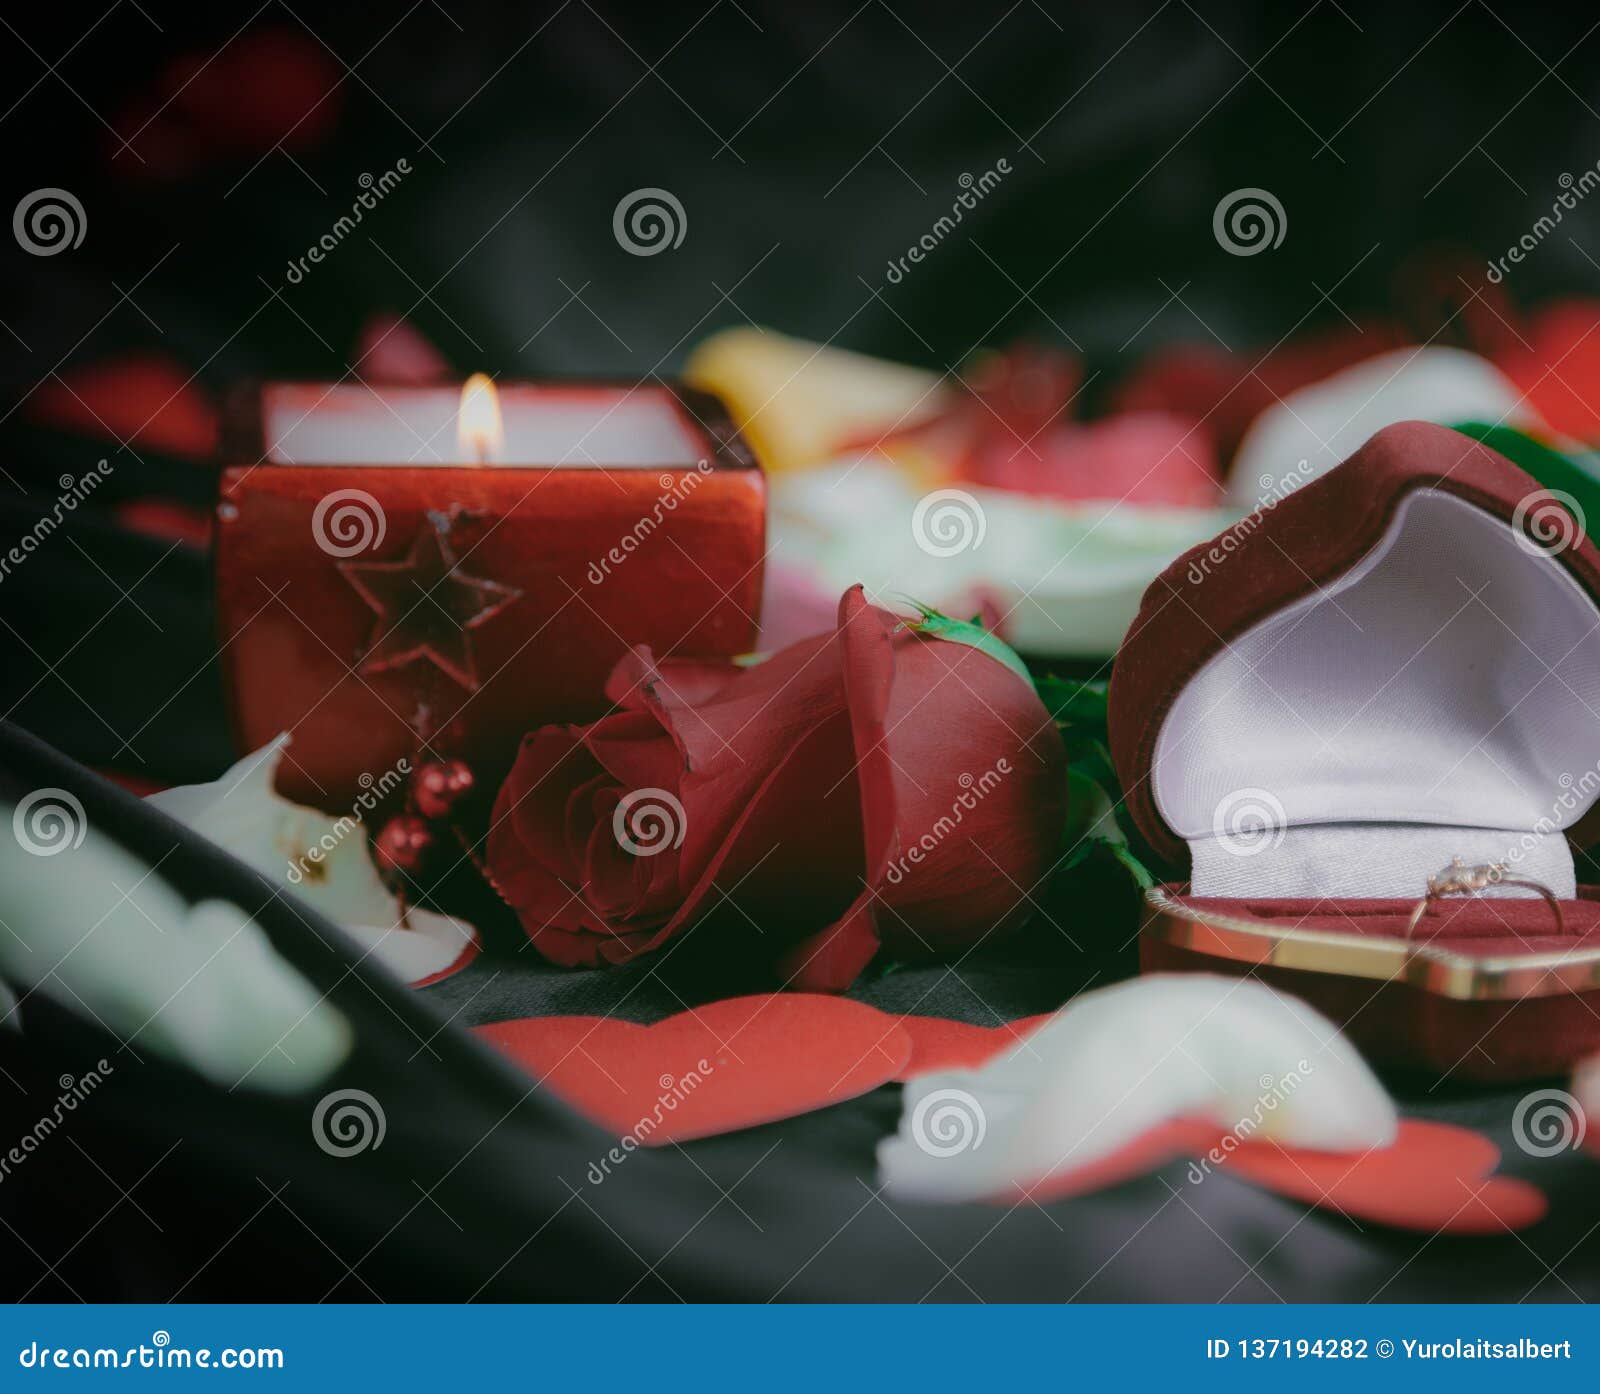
column 1073, row 702
column 1567, row 474
column 970, row 633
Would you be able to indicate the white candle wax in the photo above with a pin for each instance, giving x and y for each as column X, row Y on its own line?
column 545, row 425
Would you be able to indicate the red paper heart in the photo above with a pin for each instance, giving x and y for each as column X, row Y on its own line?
column 1435, row 1178
column 713, row 1069
column 940, row 1044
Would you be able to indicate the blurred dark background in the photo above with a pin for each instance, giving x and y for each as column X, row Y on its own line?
column 808, row 145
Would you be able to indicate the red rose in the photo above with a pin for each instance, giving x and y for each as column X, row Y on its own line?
column 873, row 785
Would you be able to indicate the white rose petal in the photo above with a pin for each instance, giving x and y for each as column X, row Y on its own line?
column 103, row 934
column 1113, row 1064
column 1327, row 422
column 322, row 860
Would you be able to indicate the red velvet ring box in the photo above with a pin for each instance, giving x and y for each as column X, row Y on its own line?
column 380, row 599
column 1396, row 665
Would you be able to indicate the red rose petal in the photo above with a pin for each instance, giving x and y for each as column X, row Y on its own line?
column 976, row 839
column 831, row 960
column 635, row 751
column 768, row 1057
column 869, row 669
column 686, row 680
column 790, row 874
column 1558, row 367
column 266, row 88
column 592, row 948
column 392, row 350
column 1154, row 458
column 530, row 812
column 539, row 896
column 732, row 739
column 145, row 399
column 1226, row 391
column 167, row 520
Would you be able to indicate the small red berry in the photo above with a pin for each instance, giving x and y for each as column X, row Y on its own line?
column 440, row 785
column 403, row 844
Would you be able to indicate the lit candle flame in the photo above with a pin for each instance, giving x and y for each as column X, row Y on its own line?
column 478, row 429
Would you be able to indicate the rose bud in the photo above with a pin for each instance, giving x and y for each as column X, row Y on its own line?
column 894, row 782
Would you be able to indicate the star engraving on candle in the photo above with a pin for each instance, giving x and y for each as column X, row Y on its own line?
column 426, row 605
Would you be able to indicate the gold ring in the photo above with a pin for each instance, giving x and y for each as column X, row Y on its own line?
column 1459, row 879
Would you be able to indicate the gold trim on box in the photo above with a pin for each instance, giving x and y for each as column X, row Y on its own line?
column 1508, row 977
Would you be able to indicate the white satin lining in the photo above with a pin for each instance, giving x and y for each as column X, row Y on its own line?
column 1450, row 679
column 1339, row 861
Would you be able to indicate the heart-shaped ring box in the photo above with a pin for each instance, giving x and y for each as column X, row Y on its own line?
column 1392, row 666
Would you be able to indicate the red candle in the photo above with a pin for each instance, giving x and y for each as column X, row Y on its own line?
column 420, row 573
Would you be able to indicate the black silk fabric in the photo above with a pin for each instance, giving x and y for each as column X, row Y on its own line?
column 166, row 1187
column 810, row 145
